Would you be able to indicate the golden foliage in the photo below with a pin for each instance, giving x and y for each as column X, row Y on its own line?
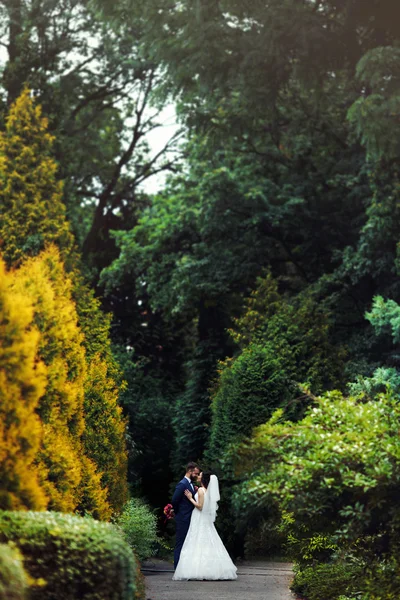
column 31, row 209
column 65, row 469
column 60, row 459
column 104, row 436
column 79, row 458
column 22, row 383
column 44, row 280
column 94, row 497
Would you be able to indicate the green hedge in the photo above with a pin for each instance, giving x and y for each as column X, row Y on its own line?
column 76, row 557
column 13, row 579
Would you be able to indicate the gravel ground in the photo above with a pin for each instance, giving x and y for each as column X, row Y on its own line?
column 257, row 580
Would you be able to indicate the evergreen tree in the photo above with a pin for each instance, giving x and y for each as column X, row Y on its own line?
column 31, row 208
column 84, row 378
column 61, row 407
column 105, row 430
column 22, row 383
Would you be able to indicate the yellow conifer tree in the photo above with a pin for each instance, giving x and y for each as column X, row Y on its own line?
column 31, row 209
column 77, row 469
column 65, row 470
column 61, row 348
column 22, row 383
column 104, row 435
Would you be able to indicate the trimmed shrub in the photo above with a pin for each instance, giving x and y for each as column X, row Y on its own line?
column 139, row 527
column 76, row 557
column 13, row 579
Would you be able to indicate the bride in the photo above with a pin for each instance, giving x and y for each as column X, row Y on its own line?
column 203, row 554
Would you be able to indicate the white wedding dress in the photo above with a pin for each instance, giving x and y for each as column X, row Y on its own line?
column 203, row 554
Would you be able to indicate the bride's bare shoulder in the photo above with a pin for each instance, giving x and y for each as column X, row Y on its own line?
column 201, row 490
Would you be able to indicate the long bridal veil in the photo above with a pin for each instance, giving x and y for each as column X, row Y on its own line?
column 212, row 498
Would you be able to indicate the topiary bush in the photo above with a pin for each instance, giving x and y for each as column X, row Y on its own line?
column 13, row 579
column 139, row 527
column 76, row 557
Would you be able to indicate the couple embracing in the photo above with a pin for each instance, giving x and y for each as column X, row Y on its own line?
column 199, row 551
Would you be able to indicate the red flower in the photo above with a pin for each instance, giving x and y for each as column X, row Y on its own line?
column 168, row 512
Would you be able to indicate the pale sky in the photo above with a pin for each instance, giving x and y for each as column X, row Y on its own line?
column 157, row 139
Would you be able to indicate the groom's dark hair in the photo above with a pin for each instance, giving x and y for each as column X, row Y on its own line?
column 190, row 466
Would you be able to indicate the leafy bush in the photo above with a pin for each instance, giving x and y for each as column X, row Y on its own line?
column 76, row 557
column 326, row 581
column 139, row 527
column 382, row 578
column 337, row 471
column 13, row 579
column 337, row 474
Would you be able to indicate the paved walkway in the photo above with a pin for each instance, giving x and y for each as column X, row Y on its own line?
column 257, row 580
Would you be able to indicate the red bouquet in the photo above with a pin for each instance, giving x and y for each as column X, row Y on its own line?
column 168, row 512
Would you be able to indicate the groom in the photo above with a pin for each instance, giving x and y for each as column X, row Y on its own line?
column 183, row 507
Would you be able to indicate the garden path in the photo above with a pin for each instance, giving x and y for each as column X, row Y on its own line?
column 257, row 580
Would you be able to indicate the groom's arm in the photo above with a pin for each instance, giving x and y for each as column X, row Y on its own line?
column 178, row 495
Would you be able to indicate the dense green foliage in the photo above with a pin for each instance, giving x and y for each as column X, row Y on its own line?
column 139, row 526
column 287, row 168
column 72, row 556
column 334, row 474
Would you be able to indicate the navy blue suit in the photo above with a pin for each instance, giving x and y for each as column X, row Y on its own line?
column 183, row 509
